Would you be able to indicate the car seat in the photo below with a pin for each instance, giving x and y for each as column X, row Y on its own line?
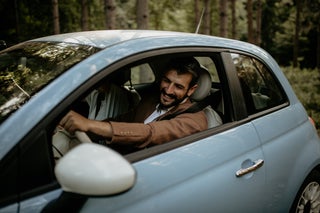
column 203, row 97
column 117, row 100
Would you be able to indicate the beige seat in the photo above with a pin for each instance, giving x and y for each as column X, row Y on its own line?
column 200, row 96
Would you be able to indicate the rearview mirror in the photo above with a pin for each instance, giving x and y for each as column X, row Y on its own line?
column 92, row 169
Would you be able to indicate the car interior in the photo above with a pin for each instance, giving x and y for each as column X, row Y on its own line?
column 140, row 78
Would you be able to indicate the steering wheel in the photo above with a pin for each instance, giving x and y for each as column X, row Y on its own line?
column 82, row 137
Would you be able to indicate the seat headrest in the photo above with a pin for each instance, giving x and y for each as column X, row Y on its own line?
column 204, row 85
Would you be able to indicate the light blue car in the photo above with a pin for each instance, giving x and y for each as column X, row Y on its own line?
column 262, row 156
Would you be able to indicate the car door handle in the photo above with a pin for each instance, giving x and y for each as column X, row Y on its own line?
column 256, row 165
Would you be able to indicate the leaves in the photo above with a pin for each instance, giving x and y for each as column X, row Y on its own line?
column 306, row 84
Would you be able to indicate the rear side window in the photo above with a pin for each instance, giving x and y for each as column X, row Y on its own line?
column 210, row 66
column 260, row 89
column 142, row 74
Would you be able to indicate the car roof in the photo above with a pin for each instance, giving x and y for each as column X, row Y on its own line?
column 106, row 38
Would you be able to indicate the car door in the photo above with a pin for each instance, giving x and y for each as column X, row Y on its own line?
column 217, row 170
column 282, row 128
column 27, row 179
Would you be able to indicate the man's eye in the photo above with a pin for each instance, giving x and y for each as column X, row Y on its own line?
column 179, row 87
column 166, row 80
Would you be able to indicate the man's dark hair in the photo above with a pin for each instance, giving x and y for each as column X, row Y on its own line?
column 185, row 65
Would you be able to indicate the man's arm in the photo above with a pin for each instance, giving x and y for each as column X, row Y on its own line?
column 75, row 122
column 158, row 132
column 138, row 134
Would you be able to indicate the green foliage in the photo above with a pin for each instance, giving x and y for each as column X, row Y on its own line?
column 306, row 84
column 26, row 19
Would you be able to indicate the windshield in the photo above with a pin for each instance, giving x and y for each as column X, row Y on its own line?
column 28, row 67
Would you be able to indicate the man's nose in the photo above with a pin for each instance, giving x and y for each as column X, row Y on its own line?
column 170, row 89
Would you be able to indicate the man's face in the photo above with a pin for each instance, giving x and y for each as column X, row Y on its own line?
column 174, row 88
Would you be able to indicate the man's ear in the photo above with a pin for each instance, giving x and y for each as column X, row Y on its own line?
column 192, row 89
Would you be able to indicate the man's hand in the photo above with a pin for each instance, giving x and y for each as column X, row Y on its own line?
column 74, row 121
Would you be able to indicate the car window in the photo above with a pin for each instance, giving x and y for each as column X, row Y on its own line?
column 260, row 89
column 120, row 96
column 210, row 66
column 142, row 74
column 27, row 68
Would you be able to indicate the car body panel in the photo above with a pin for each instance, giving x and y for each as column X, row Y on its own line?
column 193, row 175
column 36, row 204
column 285, row 147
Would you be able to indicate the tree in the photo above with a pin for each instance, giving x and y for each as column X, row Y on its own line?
column 233, row 19
column 258, row 23
column 250, row 21
column 85, row 15
column 207, row 17
column 296, row 34
column 110, row 10
column 223, row 18
column 55, row 13
column 197, row 14
column 309, row 37
column 142, row 14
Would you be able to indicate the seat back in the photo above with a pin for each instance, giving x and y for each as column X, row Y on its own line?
column 213, row 117
column 115, row 100
column 203, row 97
column 204, row 85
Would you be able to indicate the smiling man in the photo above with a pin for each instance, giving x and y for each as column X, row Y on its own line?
column 158, row 118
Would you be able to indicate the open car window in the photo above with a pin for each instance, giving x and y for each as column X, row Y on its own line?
column 122, row 90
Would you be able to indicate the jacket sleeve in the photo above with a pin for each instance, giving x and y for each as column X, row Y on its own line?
column 158, row 132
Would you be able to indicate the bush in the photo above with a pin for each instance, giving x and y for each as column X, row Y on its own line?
column 306, row 84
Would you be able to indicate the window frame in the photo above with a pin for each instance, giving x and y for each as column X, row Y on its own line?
column 236, row 87
column 213, row 53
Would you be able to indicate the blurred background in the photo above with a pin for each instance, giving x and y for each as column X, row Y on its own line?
column 288, row 29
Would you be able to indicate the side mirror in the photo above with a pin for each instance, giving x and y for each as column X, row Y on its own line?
column 92, row 169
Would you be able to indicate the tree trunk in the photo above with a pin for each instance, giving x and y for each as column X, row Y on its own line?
column 142, row 14
column 250, row 22
column 296, row 36
column 207, row 17
column 110, row 12
column 55, row 13
column 318, row 47
column 16, row 10
column 223, row 18
column 85, row 15
column 196, row 13
column 258, row 22
column 233, row 19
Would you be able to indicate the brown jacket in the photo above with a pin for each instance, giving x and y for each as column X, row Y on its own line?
column 135, row 132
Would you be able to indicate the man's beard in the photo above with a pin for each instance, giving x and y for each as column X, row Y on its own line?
column 174, row 103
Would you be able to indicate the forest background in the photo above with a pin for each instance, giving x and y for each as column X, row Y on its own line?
column 288, row 29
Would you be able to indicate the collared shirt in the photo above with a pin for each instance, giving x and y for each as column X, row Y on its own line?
column 160, row 111
column 156, row 113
